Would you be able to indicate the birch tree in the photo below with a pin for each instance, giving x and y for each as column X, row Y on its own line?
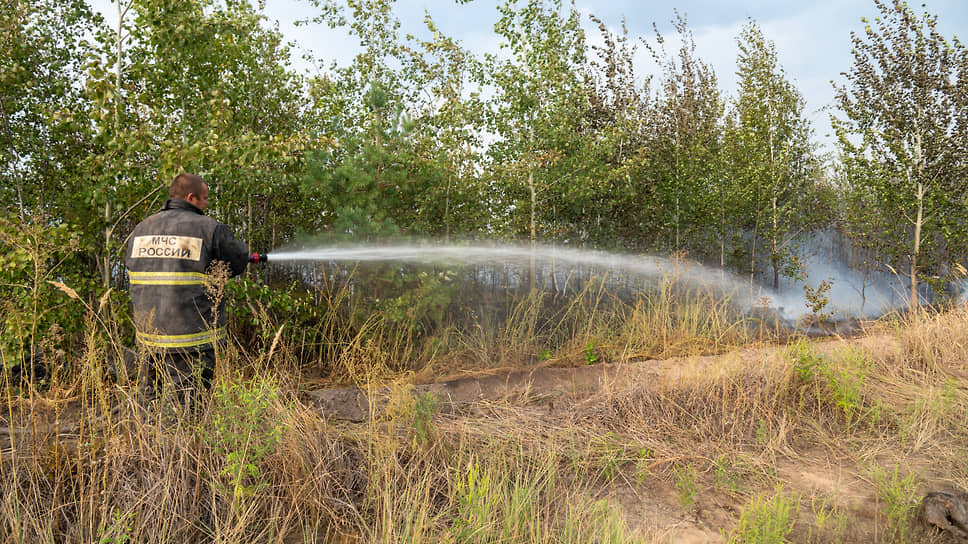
column 900, row 128
column 44, row 129
column 686, row 139
column 620, row 197
column 536, row 108
column 774, row 157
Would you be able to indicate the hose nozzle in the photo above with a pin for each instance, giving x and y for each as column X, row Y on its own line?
column 258, row 258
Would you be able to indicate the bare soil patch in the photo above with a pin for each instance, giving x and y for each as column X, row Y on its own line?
column 564, row 388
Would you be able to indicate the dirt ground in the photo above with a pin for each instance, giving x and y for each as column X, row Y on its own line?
column 819, row 474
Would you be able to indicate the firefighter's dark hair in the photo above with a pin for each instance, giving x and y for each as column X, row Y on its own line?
column 184, row 184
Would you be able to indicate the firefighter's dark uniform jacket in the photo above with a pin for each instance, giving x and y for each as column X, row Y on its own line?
column 168, row 255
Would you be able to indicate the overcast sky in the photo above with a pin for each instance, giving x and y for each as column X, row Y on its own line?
column 812, row 37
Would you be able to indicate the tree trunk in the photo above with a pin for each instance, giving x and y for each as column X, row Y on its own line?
column 108, row 229
column 534, row 230
column 917, row 246
column 14, row 160
column 775, row 256
column 447, row 209
column 756, row 232
column 722, row 238
column 919, row 220
column 106, row 256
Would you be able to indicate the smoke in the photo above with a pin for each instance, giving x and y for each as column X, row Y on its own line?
column 851, row 294
column 855, row 291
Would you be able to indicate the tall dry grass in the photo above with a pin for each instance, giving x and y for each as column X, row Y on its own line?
column 81, row 462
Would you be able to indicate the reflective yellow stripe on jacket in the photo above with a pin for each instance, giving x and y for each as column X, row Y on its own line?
column 166, row 278
column 181, row 340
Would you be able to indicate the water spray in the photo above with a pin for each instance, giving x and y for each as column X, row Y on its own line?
column 789, row 304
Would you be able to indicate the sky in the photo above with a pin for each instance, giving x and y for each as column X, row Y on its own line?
column 812, row 37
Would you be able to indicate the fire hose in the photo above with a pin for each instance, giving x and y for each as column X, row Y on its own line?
column 258, row 257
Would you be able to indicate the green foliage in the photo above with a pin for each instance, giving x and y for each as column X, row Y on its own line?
column 241, row 428
column 447, row 126
column 644, row 458
column 687, row 487
column 899, row 494
column 817, row 300
column 404, row 163
column 569, row 146
column 610, row 452
column 120, row 530
column 840, row 383
column 762, row 434
column 422, row 304
column 943, row 406
column 512, row 505
column 258, row 308
column 37, row 316
column 312, row 322
column 539, row 157
column 44, row 128
column 726, row 477
column 685, row 144
column 616, row 184
column 557, row 139
column 590, row 354
column 597, row 523
column 806, row 362
column 197, row 86
column 900, row 128
column 766, row 520
column 476, row 502
column 368, row 192
column 422, row 424
column 832, row 522
column 772, row 158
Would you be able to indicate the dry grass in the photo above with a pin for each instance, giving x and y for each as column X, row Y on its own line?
column 725, row 445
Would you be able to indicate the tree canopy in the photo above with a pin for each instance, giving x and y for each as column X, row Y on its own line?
column 553, row 138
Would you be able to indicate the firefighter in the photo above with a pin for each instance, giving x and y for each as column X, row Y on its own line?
column 170, row 258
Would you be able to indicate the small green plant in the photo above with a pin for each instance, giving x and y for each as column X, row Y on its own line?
column 544, row 355
column 643, row 464
column 244, row 432
column 840, row 384
column 476, row 502
column 610, row 453
column 762, row 433
column 806, row 363
column 766, row 521
column 591, row 356
column 900, row 498
column 818, row 299
column 725, row 477
column 687, row 488
column 831, row 522
column 422, row 424
column 846, row 385
column 120, row 530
